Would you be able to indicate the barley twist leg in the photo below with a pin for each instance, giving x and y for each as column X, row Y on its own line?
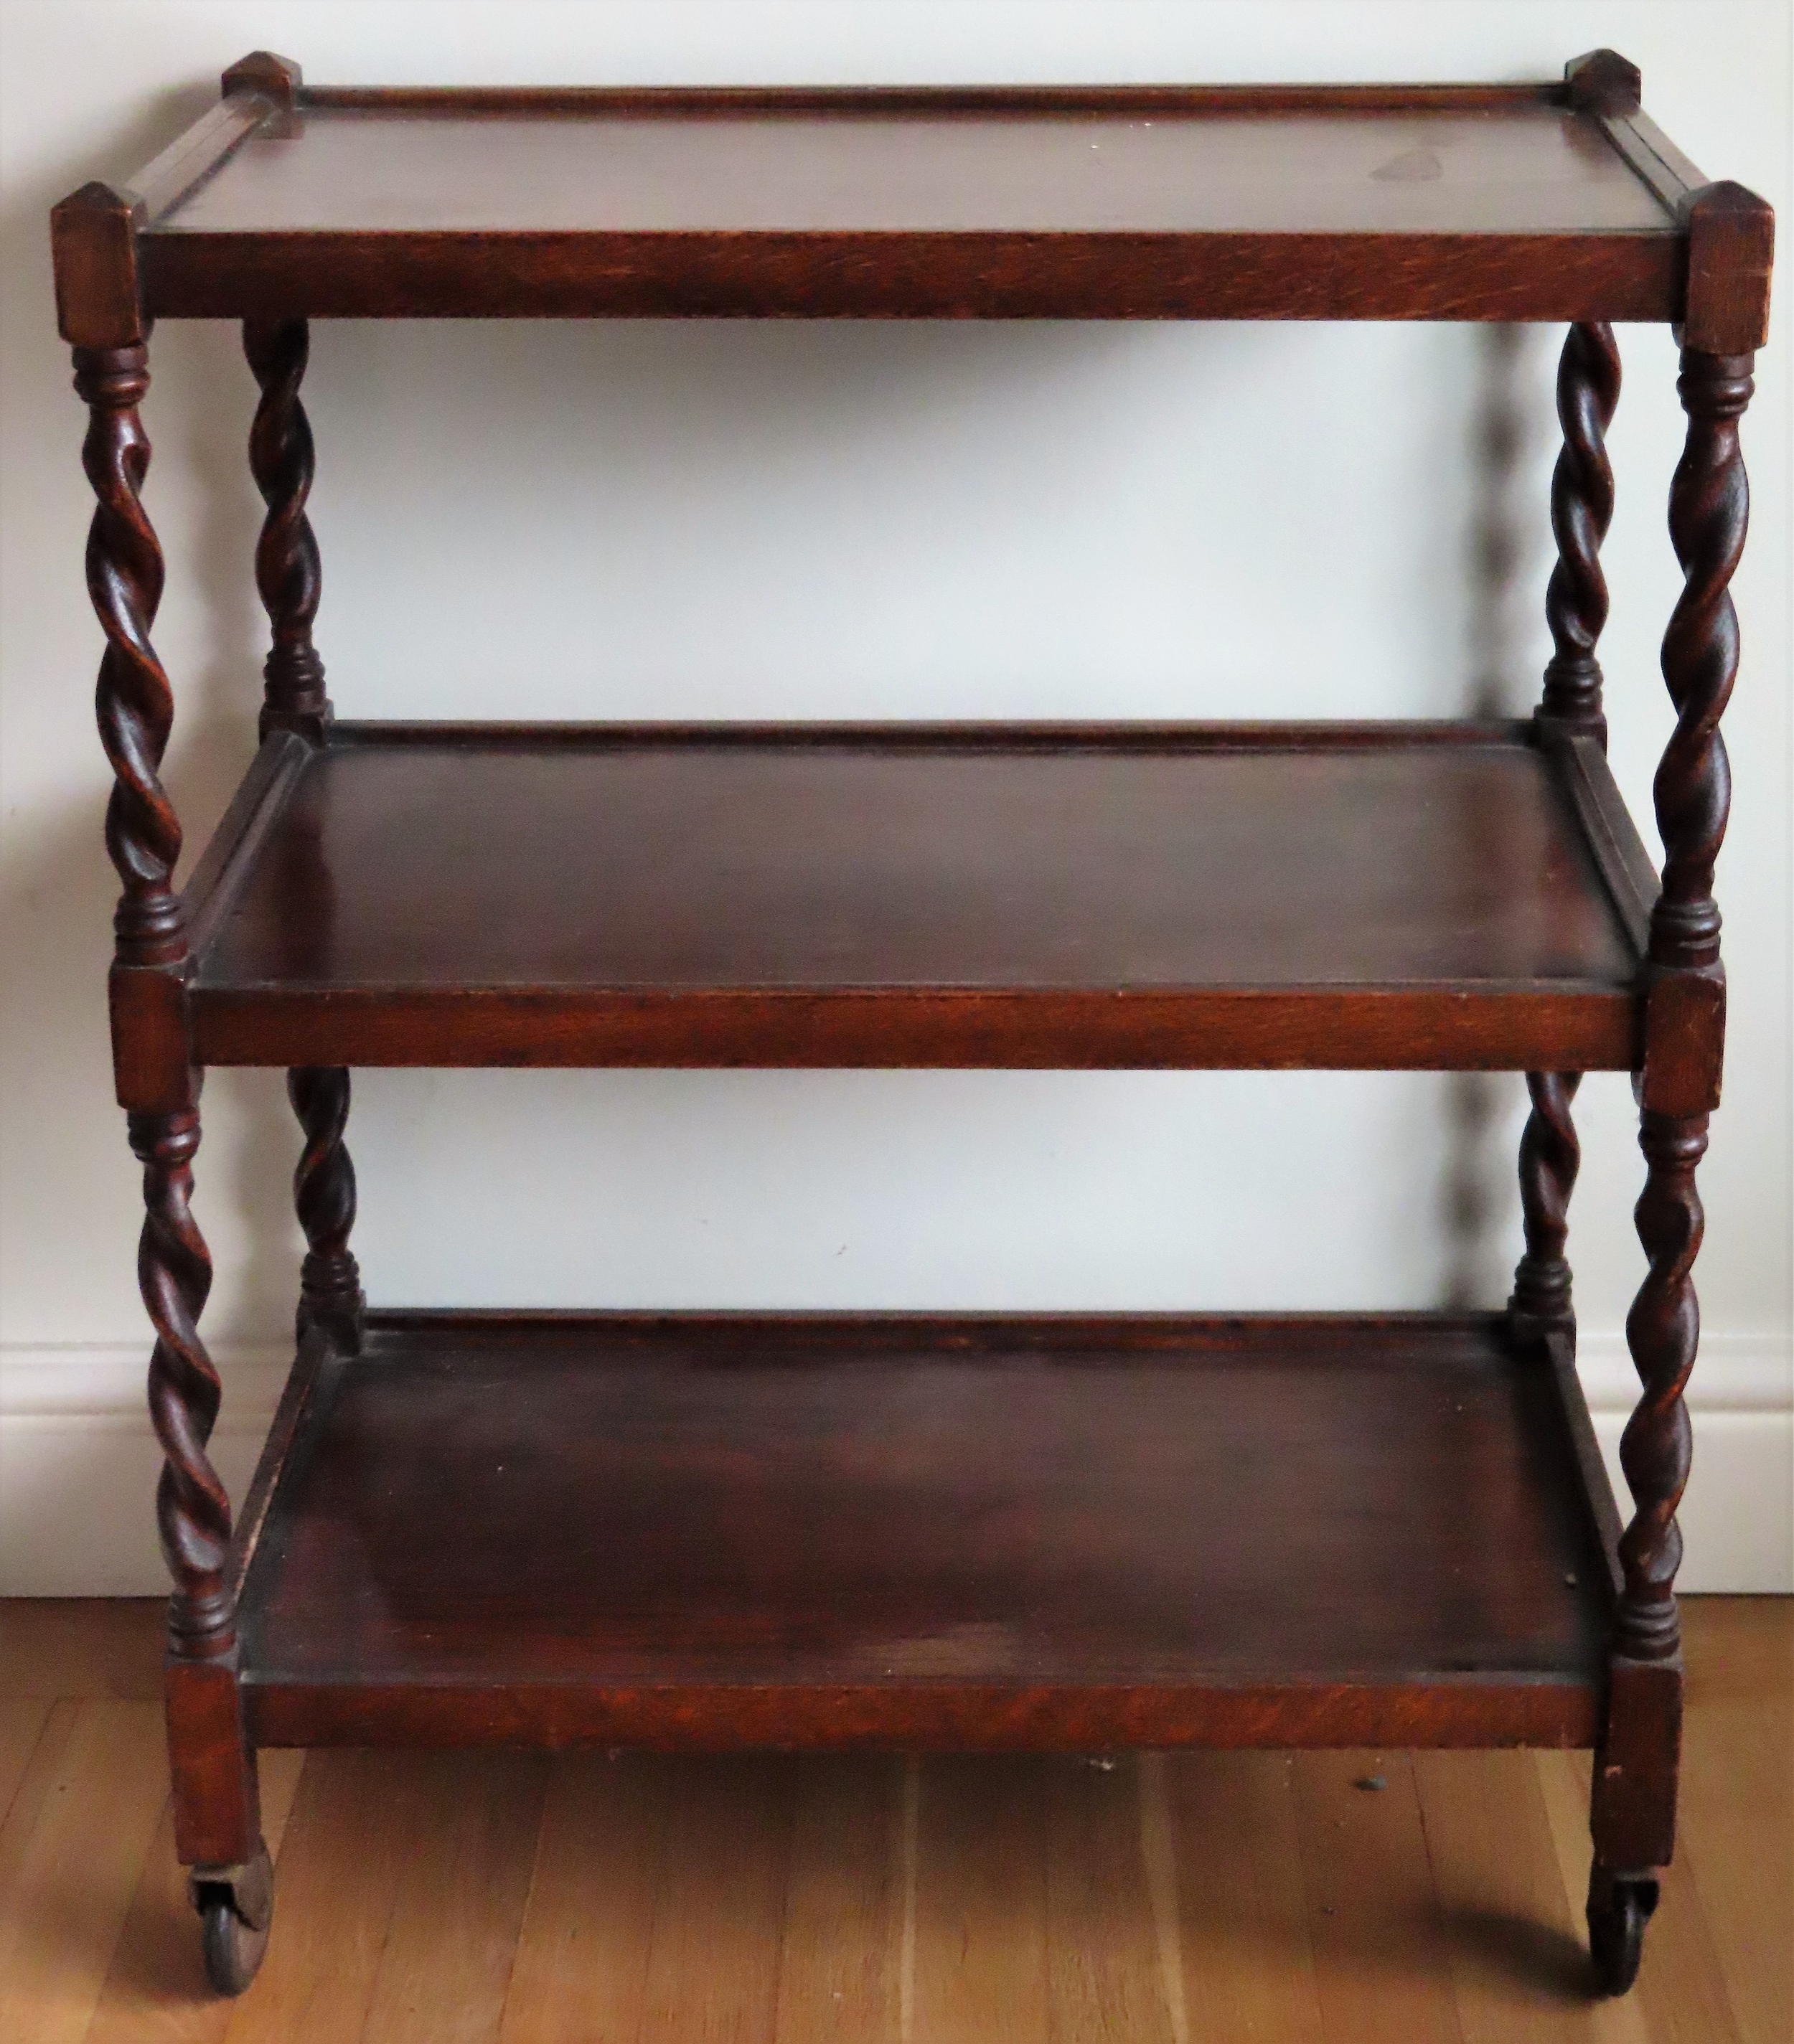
column 324, row 1196
column 1582, row 497
column 287, row 570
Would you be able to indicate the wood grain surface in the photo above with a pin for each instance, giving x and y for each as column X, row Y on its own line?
column 726, row 1531
column 1367, row 202
column 1407, row 895
column 1152, row 170
column 1227, row 1898
column 1549, row 200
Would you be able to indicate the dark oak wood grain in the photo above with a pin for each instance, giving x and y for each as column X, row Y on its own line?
column 93, row 238
column 1731, row 250
column 1368, row 204
column 1505, row 202
column 211, row 1765
column 719, row 1531
column 1280, row 897
column 531, row 275
column 1533, row 201
column 875, row 170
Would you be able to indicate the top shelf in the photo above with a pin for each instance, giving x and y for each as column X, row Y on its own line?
column 1532, row 202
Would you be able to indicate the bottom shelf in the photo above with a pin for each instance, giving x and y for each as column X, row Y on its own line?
column 728, row 1531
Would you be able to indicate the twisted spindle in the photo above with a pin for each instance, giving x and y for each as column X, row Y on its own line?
column 1550, row 1156
column 1575, row 598
column 133, row 703
column 287, row 572
column 1663, row 1331
column 175, row 1274
column 1709, row 510
column 323, row 1196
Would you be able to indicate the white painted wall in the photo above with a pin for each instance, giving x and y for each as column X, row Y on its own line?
column 691, row 521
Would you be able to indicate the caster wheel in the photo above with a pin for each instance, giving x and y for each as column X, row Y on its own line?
column 1619, row 1907
column 235, row 1907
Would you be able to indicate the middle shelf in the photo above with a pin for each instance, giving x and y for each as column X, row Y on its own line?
column 1441, row 895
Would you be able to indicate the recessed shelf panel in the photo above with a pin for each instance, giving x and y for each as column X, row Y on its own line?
column 1143, row 168
column 1344, row 896
column 733, row 1530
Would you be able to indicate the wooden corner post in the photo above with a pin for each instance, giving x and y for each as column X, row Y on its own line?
column 290, row 577
column 1637, row 1764
column 287, row 572
column 1604, row 82
column 330, row 1295
column 1582, row 494
column 269, row 76
column 94, row 236
column 1576, row 609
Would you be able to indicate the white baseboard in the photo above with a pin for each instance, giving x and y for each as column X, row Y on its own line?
column 78, row 1463
column 1737, row 1513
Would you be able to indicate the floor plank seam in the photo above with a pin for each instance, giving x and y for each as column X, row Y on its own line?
column 911, row 1852
column 1158, row 1851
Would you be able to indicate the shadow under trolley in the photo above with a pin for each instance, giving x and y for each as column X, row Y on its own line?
column 1339, row 1529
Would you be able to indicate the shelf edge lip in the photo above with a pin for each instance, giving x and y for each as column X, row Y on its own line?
column 1650, row 155
column 196, row 156
column 303, row 1395
column 1607, row 828
column 978, row 101
column 1338, row 1029
column 260, row 241
column 978, row 734
column 1543, row 1709
column 1259, row 1682
column 1602, row 1521
column 1625, row 275
column 662, row 993
column 260, row 798
column 1074, row 1329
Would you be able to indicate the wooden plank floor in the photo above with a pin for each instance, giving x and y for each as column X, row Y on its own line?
column 461, row 1898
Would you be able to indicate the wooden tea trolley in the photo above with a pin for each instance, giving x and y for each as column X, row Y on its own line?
column 716, row 1531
